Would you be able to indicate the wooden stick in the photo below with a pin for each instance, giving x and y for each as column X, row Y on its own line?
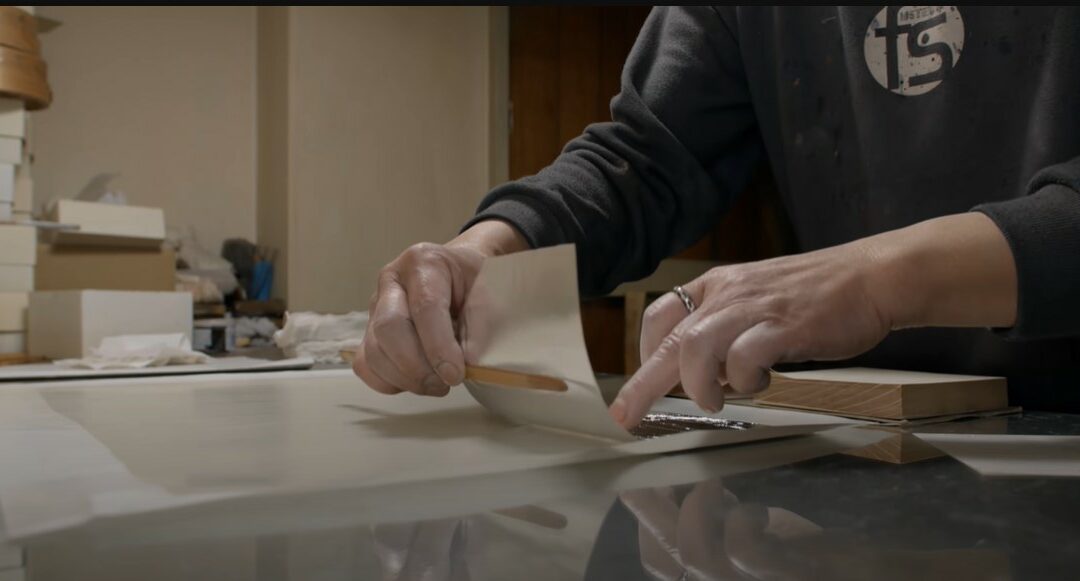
column 501, row 377
column 506, row 378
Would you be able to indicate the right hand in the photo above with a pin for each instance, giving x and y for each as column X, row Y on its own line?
column 410, row 344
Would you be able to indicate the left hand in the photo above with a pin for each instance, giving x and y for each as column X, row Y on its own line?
column 835, row 303
column 822, row 305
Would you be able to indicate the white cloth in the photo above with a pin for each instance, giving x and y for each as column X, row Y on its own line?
column 321, row 337
column 135, row 351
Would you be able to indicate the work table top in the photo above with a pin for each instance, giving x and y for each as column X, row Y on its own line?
column 797, row 508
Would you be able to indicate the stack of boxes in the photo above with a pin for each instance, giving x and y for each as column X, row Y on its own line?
column 17, row 257
column 17, row 243
column 109, row 277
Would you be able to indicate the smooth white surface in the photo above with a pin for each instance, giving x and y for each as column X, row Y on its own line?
column 1010, row 454
column 107, row 448
column 48, row 371
column 68, row 324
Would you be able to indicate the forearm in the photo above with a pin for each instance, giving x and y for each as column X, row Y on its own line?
column 491, row 238
column 953, row 271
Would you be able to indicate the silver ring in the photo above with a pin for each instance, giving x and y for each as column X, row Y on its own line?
column 685, row 298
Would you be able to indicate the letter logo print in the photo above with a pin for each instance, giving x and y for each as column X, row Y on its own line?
column 911, row 49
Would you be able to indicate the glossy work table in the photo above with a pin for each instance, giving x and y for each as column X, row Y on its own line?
column 796, row 508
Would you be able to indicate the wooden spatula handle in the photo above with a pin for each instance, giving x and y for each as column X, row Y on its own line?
column 506, row 378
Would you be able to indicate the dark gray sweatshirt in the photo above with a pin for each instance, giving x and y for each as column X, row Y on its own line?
column 872, row 119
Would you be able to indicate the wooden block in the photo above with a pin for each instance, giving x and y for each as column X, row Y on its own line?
column 885, row 394
column 900, row 448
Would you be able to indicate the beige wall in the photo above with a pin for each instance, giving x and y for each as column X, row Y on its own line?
column 389, row 131
column 272, row 185
column 339, row 135
column 163, row 95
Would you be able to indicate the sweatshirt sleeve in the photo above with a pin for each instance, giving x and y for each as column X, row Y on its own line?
column 1043, row 231
column 681, row 144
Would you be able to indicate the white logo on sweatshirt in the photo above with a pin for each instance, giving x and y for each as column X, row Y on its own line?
column 911, row 49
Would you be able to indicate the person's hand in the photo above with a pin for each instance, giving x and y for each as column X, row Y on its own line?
column 750, row 316
column 826, row 305
column 410, row 343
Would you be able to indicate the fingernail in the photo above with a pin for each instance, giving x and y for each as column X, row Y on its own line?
column 448, row 372
column 432, row 383
column 618, row 411
column 710, row 408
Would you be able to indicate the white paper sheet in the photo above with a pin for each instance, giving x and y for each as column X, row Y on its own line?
column 1011, row 454
column 71, row 452
column 522, row 314
column 49, row 371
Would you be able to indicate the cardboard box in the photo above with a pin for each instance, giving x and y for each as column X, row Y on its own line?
column 13, row 311
column 12, row 118
column 14, row 342
column 16, row 278
column 108, row 224
column 67, row 324
column 83, row 267
column 18, row 245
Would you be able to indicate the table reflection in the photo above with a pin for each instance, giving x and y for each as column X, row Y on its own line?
column 834, row 516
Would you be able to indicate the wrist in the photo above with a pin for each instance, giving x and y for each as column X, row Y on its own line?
column 952, row 271
column 895, row 281
column 490, row 238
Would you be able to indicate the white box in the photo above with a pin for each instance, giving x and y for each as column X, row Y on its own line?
column 7, row 183
column 12, row 118
column 16, row 278
column 12, row 342
column 13, row 313
column 18, row 245
column 68, row 324
column 11, row 150
column 108, row 224
column 23, row 195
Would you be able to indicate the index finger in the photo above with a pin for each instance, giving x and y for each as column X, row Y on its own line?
column 656, row 377
column 429, row 292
